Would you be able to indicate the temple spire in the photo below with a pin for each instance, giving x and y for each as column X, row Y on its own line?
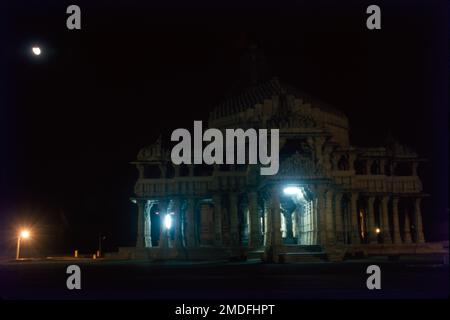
column 253, row 66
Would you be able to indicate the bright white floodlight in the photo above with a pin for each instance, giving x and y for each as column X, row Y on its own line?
column 168, row 221
column 292, row 191
column 24, row 234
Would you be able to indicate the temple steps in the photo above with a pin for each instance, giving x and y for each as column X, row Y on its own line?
column 294, row 253
column 207, row 253
column 292, row 257
column 291, row 248
column 256, row 254
column 302, row 253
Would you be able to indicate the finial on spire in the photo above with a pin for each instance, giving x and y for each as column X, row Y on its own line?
column 253, row 65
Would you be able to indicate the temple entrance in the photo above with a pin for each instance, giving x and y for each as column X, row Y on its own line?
column 298, row 222
column 206, row 223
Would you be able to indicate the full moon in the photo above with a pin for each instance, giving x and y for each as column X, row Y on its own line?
column 36, row 51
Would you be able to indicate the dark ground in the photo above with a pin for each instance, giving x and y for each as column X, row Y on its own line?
column 171, row 280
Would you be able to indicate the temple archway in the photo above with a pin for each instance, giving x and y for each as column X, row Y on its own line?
column 298, row 215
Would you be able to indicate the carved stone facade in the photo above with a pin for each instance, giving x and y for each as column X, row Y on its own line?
column 349, row 199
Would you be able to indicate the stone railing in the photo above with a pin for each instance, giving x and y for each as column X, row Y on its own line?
column 373, row 183
column 380, row 183
column 199, row 186
column 406, row 184
column 178, row 186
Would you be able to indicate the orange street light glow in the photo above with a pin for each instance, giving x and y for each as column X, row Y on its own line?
column 25, row 234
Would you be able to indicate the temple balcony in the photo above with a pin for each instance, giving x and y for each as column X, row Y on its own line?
column 392, row 184
column 381, row 183
column 193, row 185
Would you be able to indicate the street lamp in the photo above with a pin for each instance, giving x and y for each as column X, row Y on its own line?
column 100, row 239
column 24, row 234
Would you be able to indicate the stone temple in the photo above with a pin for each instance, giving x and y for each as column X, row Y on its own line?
column 329, row 201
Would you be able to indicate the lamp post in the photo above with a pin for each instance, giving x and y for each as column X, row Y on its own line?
column 25, row 234
column 100, row 239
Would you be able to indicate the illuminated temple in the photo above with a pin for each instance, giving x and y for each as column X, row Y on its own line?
column 329, row 201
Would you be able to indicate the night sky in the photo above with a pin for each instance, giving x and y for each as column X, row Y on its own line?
column 72, row 119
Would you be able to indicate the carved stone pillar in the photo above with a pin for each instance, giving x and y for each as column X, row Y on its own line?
column 148, row 224
column 415, row 166
column 418, row 219
column 276, row 217
column 326, row 157
column 267, row 223
column 217, row 220
column 234, row 221
column 335, row 161
column 288, row 224
column 318, row 143
column 407, row 229
column 274, row 245
column 296, row 224
column 385, row 230
column 191, row 170
column 315, row 236
column 339, row 217
column 140, row 168
column 163, row 235
column 354, row 218
column 351, row 161
column 371, row 234
column 393, row 168
column 140, row 224
column 321, row 217
column 368, row 166
column 383, row 166
column 190, row 227
column 396, row 223
column 176, row 170
column 244, row 221
column 177, row 223
column 255, row 234
column 329, row 221
column 163, row 170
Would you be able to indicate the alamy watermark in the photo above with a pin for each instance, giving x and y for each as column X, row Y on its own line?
column 374, row 280
column 74, row 279
column 235, row 140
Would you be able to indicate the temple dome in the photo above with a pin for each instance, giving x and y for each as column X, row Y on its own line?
column 256, row 94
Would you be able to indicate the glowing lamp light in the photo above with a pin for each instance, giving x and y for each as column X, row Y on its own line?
column 25, row 234
column 377, row 230
column 36, row 51
column 168, row 221
column 290, row 191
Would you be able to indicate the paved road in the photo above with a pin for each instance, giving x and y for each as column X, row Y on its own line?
column 144, row 280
